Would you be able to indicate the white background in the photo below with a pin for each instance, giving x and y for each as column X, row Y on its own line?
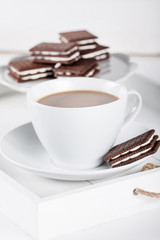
column 125, row 25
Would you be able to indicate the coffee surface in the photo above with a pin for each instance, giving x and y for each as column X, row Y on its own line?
column 77, row 99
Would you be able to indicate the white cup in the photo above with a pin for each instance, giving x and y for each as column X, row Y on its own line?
column 78, row 138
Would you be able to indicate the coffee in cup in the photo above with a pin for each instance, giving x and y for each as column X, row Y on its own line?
column 78, row 98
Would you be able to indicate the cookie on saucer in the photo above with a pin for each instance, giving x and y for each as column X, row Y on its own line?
column 134, row 149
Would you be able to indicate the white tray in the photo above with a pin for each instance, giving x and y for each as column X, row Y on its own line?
column 47, row 208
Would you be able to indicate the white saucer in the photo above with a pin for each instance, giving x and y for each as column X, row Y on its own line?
column 22, row 147
column 120, row 68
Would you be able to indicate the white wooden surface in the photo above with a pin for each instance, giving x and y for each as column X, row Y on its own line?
column 66, row 213
column 141, row 226
column 14, row 105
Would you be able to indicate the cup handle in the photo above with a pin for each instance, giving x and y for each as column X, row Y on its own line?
column 136, row 106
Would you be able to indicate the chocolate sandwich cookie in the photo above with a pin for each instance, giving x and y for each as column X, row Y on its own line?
column 99, row 53
column 64, row 53
column 84, row 67
column 133, row 149
column 83, row 39
column 26, row 70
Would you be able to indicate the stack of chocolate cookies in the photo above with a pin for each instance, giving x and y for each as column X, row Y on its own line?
column 87, row 44
column 90, row 51
column 76, row 55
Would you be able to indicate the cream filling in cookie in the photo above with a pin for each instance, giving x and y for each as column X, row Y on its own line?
column 36, row 76
column 90, row 73
column 69, row 74
column 58, row 58
column 133, row 156
column 54, row 52
column 81, row 42
column 101, row 57
column 32, row 71
column 94, row 54
column 57, row 65
column 64, row 73
column 93, row 46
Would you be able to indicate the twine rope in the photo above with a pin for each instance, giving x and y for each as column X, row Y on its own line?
column 137, row 191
